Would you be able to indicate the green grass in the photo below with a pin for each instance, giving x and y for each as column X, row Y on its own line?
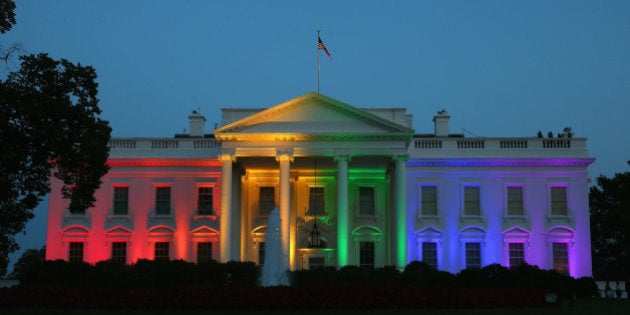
column 581, row 306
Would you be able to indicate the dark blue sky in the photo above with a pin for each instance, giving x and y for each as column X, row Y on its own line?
column 500, row 68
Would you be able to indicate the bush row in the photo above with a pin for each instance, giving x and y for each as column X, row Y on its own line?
column 142, row 274
column 257, row 298
column 151, row 274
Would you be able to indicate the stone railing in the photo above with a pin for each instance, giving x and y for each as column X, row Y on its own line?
column 482, row 147
column 143, row 147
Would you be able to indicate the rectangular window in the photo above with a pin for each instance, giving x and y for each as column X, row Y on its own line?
column 261, row 253
column 267, row 200
column 471, row 201
column 473, row 255
column 205, row 201
column 559, row 201
column 162, row 251
column 429, row 254
column 316, row 201
column 316, row 262
column 561, row 257
column 163, row 200
column 366, row 254
column 119, row 252
column 429, row 200
column 515, row 201
column 204, row 252
column 516, row 254
column 366, row 201
column 121, row 200
column 75, row 252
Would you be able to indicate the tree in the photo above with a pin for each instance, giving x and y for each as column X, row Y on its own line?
column 610, row 226
column 29, row 259
column 7, row 15
column 49, row 122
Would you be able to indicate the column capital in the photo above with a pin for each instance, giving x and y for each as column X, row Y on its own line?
column 342, row 157
column 400, row 157
column 227, row 156
column 284, row 155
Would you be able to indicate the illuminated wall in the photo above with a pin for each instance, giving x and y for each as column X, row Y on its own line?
column 421, row 189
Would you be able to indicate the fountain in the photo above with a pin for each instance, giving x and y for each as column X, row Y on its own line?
column 274, row 270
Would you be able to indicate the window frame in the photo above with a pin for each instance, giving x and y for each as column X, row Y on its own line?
column 267, row 203
column 321, row 209
column 73, row 253
column 566, row 258
column 464, row 203
column 115, row 252
column 202, row 253
column 422, row 203
column 552, row 202
column 430, row 234
column 508, row 202
column 212, row 203
column 166, row 249
column 467, row 257
column 472, row 234
column 363, row 255
column 360, row 201
column 116, row 201
column 510, row 258
column 161, row 203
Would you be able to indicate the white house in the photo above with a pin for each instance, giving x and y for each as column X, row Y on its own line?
column 353, row 186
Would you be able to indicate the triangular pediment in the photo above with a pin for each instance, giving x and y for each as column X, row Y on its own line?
column 202, row 230
column 429, row 231
column 517, row 230
column 118, row 230
column 313, row 115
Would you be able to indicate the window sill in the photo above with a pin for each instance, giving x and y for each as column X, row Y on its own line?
column 428, row 217
column 212, row 217
column 523, row 218
column 119, row 217
column 468, row 217
column 567, row 218
column 160, row 216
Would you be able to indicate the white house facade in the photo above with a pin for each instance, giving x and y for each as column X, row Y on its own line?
column 353, row 186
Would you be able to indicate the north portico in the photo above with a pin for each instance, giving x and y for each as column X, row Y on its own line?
column 317, row 160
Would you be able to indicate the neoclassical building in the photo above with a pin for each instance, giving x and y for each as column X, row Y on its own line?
column 353, row 186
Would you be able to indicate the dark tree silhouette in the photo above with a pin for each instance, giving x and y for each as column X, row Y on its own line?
column 610, row 226
column 7, row 15
column 29, row 259
column 49, row 124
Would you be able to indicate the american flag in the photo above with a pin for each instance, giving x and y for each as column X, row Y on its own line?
column 320, row 45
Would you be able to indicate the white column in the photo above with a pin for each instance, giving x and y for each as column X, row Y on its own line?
column 225, row 223
column 285, row 158
column 342, row 209
column 400, row 211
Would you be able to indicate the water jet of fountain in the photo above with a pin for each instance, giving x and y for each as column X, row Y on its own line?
column 274, row 270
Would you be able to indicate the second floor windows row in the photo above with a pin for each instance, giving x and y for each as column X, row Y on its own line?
column 471, row 203
column 163, row 201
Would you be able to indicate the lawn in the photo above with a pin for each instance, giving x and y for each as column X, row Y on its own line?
column 581, row 306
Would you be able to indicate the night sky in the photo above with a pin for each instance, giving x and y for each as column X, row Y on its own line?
column 500, row 68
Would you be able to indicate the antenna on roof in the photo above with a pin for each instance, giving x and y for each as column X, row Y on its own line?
column 468, row 132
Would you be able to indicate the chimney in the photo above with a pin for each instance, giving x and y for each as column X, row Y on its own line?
column 441, row 123
column 197, row 124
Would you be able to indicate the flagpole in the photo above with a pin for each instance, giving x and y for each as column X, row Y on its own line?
column 318, row 62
